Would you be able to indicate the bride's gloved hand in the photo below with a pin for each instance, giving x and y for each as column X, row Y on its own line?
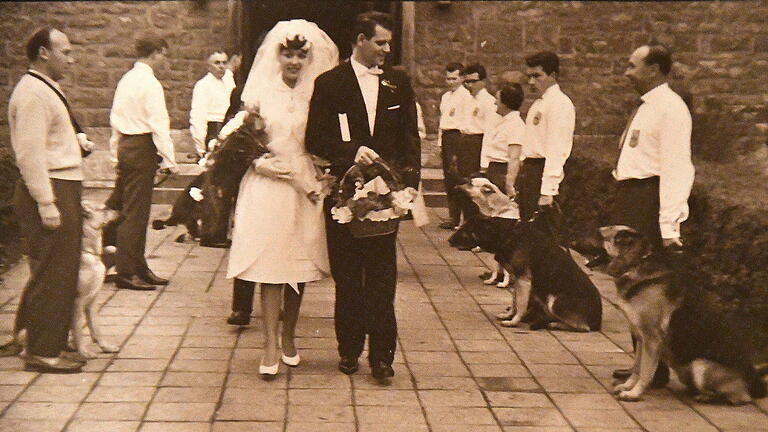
column 272, row 167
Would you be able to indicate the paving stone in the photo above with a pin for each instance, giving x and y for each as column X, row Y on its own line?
column 518, row 399
column 193, row 379
column 499, row 370
column 259, row 395
column 247, row 426
column 121, row 394
column 131, row 379
column 386, row 398
column 460, row 398
column 138, row 365
column 251, row 412
column 508, row 384
column 174, row 427
column 319, row 397
column 320, row 414
column 616, row 419
column 530, row 416
column 193, row 394
column 31, row 425
column 180, row 411
column 40, row 393
column 97, row 425
column 40, row 410
column 10, row 392
column 459, row 416
column 132, row 411
column 391, row 415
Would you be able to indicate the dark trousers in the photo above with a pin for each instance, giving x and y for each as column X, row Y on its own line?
column 528, row 186
column 242, row 295
column 365, row 273
column 47, row 302
column 451, row 139
column 497, row 174
column 469, row 164
column 137, row 162
column 636, row 205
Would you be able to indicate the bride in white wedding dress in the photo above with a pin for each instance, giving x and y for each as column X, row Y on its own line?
column 278, row 239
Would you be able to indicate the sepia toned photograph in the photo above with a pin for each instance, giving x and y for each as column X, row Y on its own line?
column 383, row 216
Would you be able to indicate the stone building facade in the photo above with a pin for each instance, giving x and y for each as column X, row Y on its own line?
column 721, row 53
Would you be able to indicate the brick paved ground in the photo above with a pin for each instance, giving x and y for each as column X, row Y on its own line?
column 181, row 368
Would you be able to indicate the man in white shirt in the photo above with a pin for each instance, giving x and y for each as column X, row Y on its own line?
column 654, row 170
column 548, row 139
column 500, row 157
column 140, row 140
column 453, row 105
column 210, row 100
column 478, row 119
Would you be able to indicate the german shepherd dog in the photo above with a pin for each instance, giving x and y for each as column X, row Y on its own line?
column 677, row 322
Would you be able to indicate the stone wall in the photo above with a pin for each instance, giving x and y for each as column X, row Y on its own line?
column 720, row 52
column 102, row 36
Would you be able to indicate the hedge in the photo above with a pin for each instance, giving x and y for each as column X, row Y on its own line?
column 726, row 235
column 9, row 229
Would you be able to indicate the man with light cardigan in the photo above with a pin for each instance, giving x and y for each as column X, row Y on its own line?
column 140, row 140
column 210, row 100
column 47, row 203
column 548, row 138
column 654, row 172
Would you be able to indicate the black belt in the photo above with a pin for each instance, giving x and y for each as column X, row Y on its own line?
column 637, row 182
column 451, row 131
column 136, row 135
column 534, row 161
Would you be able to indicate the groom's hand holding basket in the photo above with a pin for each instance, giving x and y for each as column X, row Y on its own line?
column 371, row 197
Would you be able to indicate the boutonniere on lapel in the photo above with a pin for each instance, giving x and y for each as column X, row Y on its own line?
column 389, row 85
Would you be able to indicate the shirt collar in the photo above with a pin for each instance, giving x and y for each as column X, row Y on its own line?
column 554, row 88
column 143, row 67
column 510, row 115
column 655, row 92
column 48, row 79
column 359, row 68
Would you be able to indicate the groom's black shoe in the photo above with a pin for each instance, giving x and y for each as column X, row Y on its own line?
column 381, row 370
column 348, row 365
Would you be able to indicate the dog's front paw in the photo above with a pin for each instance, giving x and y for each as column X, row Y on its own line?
column 109, row 348
column 629, row 396
column 623, row 387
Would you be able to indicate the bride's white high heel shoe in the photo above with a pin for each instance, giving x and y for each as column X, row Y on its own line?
column 291, row 361
column 269, row 370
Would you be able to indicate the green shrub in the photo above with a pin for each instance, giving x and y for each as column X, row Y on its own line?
column 727, row 240
column 9, row 229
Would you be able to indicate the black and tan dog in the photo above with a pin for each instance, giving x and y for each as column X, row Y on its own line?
column 677, row 322
column 563, row 295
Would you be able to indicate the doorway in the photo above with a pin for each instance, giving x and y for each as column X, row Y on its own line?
column 333, row 16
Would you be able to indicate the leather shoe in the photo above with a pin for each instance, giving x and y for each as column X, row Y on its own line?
column 11, row 349
column 240, row 318
column 348, row 365
column 622, row 373
column 35, row 363
column 381, row 370
column 153, row 279
column 133, row 283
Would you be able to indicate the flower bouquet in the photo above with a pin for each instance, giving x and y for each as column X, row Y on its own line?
column 372, row 199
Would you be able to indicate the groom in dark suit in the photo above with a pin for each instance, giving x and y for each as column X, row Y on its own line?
column 358, row 113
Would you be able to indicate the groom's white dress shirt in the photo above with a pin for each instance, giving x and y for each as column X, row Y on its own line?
column 369, row 86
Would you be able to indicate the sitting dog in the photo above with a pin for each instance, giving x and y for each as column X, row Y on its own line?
column 492, row 202
column 564, row 298
column 91, row 279
column 677, row 322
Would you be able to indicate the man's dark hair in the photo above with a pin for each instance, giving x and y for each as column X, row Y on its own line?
column 548, row 61
column 454, row 66
column 475, row 68
column 40, row 38
column 512, row 96
column 366, row 23
column 658, row 54
column 148, row 44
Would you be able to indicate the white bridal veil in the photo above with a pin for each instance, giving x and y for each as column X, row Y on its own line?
column 265, row 71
